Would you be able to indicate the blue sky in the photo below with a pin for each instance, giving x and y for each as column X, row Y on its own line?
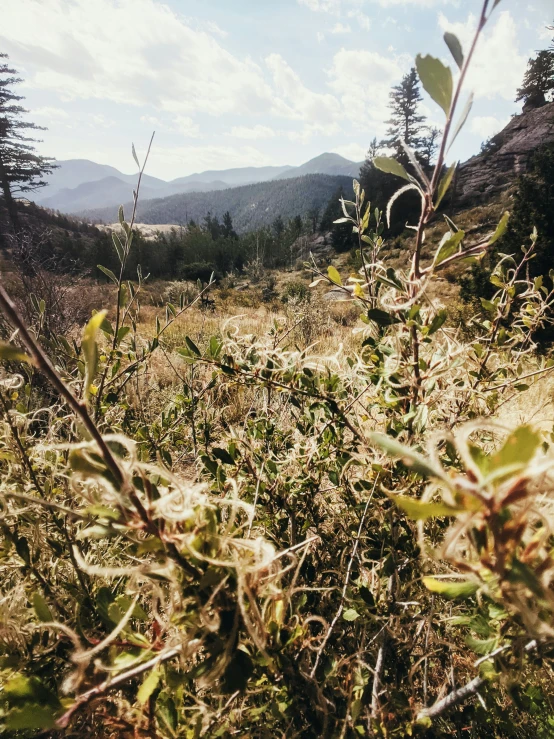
column 230, row 83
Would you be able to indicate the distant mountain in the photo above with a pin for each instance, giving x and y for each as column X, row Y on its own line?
column 102, row 193
column 74, row 172
column 237, row 177
column 79, row 184
column 110, row 191
column 251, row 206
column 332, row 164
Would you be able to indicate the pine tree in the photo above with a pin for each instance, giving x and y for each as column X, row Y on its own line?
column 405, row 123
column 538, row 83
column 227, row 229
column 21, row 169
column 429, row 145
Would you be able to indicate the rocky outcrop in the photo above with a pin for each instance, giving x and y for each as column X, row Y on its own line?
column 507, row 156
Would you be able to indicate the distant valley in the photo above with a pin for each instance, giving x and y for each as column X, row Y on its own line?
column 251, row 206
column 80, row 186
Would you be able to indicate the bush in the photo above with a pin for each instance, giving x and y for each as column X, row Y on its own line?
column 273, row 541
column 296, row 292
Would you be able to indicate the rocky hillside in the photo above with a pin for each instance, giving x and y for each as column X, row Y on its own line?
column 505, row 158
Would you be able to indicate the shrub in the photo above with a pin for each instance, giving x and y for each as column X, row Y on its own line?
column 283, row 543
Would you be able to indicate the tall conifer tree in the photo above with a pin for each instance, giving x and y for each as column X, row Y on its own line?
column 22, row 170
column 405, row 123
column 538, row 83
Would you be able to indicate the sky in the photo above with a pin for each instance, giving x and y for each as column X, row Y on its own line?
column 233, row 83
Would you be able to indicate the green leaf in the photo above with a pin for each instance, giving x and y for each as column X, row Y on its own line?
column 118, row 246
column 391, row 166
column 124, row 602
column 501, row 228
column 192, row 346
column 23, row 690
column 482, row 646
column 436, row 80
column 451, row 590
column 420, row 511
column 42, row 610
column 409, row 457
column 334, row 275
column 522, row 573
column 90, row 349
column 223, row 455
column 453, row 43
column 149, row 685
column 382, row 318
column 11, row 353
column 488, row 305
column 463, row 118
column 108, row 272
column 445, row 184
column 449, row 246
column 519, row 448
column 437, row 321
column 122, row 333
column 135, row 157
column 31, row 716
column 120, row 215
column 215, row 347
column 350, row 614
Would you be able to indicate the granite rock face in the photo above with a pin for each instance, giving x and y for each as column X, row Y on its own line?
column 508, row 156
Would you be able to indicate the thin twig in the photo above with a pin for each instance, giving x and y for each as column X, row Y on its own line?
column 466, row 691
column 111, row 683
column 346, row 581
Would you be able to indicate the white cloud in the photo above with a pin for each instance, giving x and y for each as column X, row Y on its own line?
column 299, row 101
column 100, row 121
column 134, row 52
column 256, row 132
column 546, row 33
column 362, row 79
column 354, row 152
column 340, row 28
column 486, row 126
column 322, row 6
column 336, row 7
column 363, row 20
column 185, row 126
column 176, row 160
column 499, row 65
column 320, row 37
column 181, row 124
column 313, row 129
column 213, row 28
column 51, row 114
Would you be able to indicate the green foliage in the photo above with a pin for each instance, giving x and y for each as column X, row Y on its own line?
column 276, row 542
column 538, row 83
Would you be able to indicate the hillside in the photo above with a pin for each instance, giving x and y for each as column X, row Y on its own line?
column 251, row 206
column 77, row 185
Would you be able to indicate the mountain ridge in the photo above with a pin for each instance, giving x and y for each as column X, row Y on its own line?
column 81, row 184
column 251, row 206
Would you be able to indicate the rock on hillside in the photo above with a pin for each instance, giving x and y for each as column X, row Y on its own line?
column 508, row 156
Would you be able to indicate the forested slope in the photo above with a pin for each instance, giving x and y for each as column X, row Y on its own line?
column 251, row 206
